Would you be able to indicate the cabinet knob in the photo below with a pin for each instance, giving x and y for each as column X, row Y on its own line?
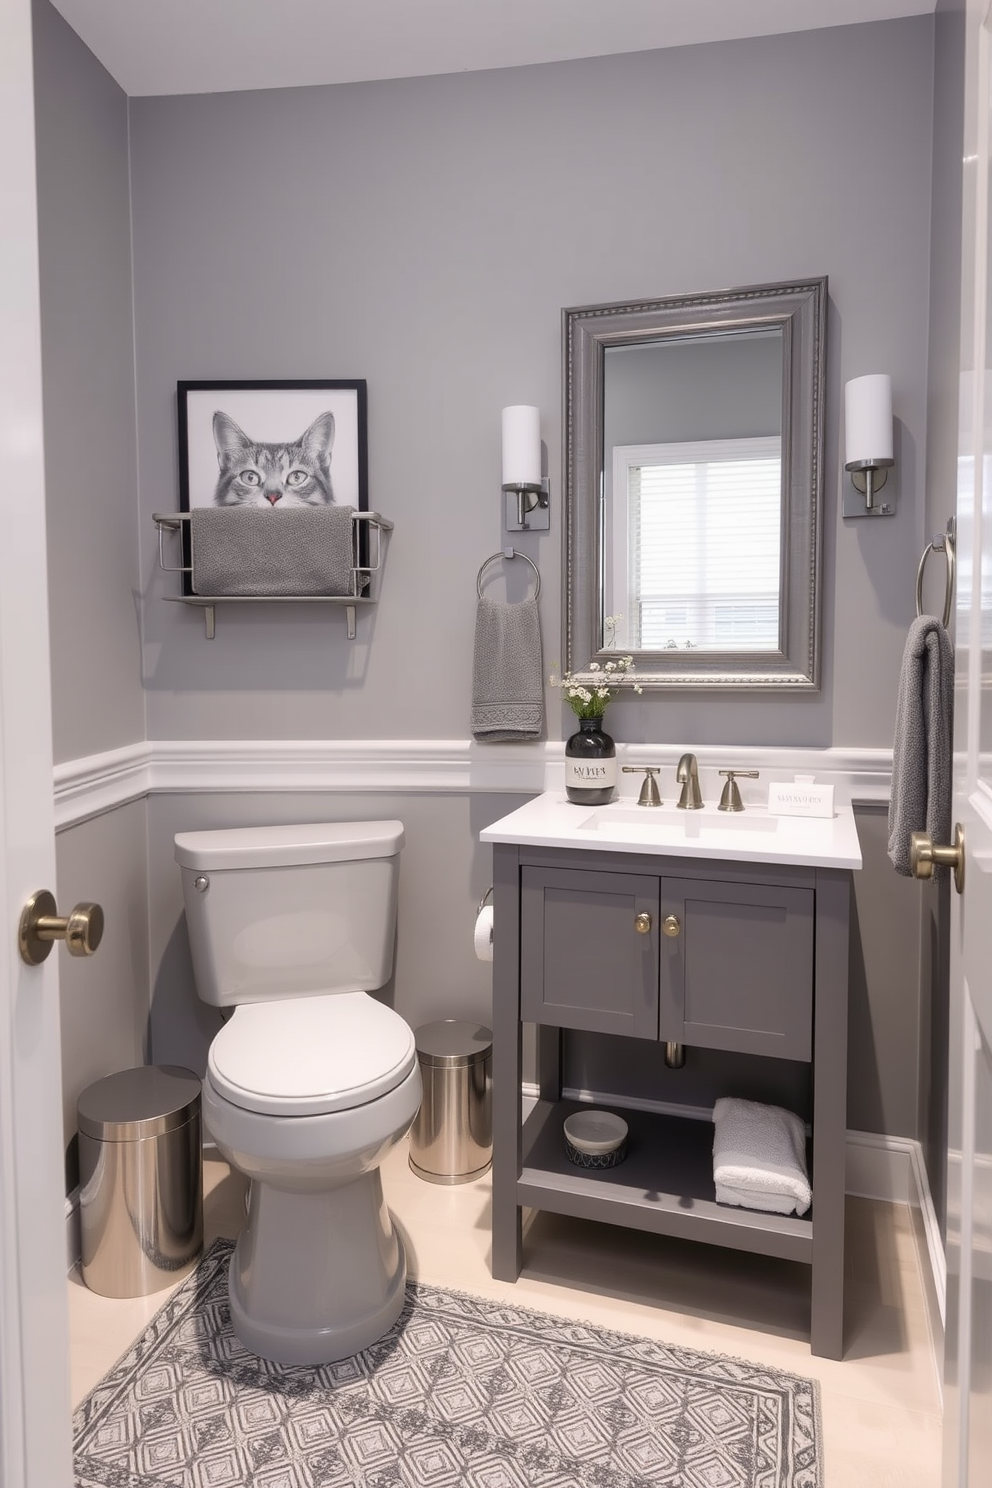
column 672, row 925
column 642, row 924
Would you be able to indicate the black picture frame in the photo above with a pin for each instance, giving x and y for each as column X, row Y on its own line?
column 276, row 412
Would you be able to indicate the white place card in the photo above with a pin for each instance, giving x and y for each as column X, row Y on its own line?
column 800, row 798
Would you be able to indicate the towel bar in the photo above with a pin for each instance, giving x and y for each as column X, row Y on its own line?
column 943, row 542
column 173, row 523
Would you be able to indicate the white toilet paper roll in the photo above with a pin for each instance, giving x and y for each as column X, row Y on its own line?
column 484, row 933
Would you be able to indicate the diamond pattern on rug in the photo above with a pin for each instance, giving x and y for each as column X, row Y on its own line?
column 461, row 1393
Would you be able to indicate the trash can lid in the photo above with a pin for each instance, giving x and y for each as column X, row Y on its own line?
column 451, row 1044
column 135, row 1103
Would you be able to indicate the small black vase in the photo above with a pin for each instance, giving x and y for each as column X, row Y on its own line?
column 590, row 764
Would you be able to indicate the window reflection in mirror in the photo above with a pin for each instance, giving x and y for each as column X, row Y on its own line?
column 692, row 447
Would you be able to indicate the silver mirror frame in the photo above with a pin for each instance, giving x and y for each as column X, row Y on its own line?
column 800, row 311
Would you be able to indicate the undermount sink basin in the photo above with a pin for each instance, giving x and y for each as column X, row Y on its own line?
column 660, row 823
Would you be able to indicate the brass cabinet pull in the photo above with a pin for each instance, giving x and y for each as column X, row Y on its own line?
column 924, row 855
column 642, row 924
column 82, row 929
column 672, row 925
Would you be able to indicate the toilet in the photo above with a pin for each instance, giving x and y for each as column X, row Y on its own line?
column 310, row 1082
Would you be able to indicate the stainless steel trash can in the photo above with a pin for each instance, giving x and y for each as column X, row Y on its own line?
column 140, row 1179
column 452, row 1137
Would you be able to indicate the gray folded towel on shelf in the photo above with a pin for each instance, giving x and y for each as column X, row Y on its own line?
column 508, row 673
column 921, row 758
column 759, row 1157
column 256, row 550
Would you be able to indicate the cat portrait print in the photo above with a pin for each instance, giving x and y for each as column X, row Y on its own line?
column 277, row 475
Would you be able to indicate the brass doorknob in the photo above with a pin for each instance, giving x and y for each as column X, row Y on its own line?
column 672, row 925
column 40, row 927
column 924, row 855
column 642, row 924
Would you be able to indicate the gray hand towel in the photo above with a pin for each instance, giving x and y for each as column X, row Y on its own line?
column 508, row 674
column 921, row 755
column 260, row 550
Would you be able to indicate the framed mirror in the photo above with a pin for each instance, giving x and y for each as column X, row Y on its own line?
column 693, row 470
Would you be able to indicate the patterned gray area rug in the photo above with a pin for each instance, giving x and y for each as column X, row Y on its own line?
column 461, row 1393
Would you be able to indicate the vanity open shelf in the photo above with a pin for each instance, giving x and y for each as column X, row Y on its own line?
column 742, row 962
column 664, row 1185
column 367, row 540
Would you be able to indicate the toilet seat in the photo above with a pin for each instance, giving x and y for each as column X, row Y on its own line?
column 308, row 1056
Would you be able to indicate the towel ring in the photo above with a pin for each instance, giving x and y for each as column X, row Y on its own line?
column 943, row 542
column 507, row 553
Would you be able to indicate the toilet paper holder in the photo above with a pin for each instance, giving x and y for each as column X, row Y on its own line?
column 486, row 899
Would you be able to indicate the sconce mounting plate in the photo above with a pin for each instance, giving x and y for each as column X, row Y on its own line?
column 528, row 507
column 867, row 475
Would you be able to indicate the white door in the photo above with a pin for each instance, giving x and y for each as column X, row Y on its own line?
column 968, row 1371
column 34, row 1364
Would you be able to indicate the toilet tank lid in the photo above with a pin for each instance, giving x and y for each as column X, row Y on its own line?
column 272, row 847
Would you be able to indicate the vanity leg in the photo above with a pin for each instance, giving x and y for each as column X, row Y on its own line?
column 833, row 902
column 507, row 1239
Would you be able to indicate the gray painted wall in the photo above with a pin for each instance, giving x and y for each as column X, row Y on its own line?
column 104, row 998
column 425, row 233
column 88, row 384
column 84, row 232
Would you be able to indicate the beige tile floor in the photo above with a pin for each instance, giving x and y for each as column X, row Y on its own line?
column 881, row 1404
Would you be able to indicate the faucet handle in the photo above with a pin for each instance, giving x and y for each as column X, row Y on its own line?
column 731, row 798
column 649, row 790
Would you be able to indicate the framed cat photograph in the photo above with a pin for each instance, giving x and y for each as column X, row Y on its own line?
column 274, row 445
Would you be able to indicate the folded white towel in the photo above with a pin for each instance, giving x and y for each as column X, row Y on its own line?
column 759, row 1154
column 769, row 1203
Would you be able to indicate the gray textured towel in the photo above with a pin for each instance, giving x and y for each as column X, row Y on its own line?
column 261, row 550
column 508, row 675
column 921, row 756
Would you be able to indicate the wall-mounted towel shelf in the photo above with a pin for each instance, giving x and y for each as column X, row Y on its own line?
column 367, row 553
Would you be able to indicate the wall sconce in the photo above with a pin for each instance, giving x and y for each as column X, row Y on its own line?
column 868, row 426
column 528, row 494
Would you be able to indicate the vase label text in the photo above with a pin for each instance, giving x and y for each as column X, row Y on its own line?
column 593, row 772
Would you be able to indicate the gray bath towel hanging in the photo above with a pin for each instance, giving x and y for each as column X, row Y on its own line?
column 508, row 673
column 921, row 755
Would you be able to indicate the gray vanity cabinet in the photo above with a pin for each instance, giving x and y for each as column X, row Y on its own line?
column 713, row 954
column 713, row 964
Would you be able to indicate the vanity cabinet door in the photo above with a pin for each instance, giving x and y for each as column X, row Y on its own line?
column 738, row 974
column 589, row 950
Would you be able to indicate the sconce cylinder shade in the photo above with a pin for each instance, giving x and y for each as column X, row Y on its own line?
column 868, row 420
column 521, row 445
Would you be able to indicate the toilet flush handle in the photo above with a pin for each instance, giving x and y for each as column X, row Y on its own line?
column 201, row 882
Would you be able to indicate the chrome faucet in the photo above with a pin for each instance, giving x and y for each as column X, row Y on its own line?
column 687, row 776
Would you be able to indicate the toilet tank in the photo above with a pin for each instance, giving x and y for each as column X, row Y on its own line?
column 290, row 911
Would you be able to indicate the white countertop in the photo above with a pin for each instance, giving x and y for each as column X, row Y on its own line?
column 749, row 836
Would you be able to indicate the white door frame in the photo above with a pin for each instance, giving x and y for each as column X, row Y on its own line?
column 34, row 1359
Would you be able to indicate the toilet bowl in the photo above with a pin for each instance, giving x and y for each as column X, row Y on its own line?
column 311, row 1081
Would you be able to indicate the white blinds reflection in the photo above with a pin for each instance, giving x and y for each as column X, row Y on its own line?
column 704, row 546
